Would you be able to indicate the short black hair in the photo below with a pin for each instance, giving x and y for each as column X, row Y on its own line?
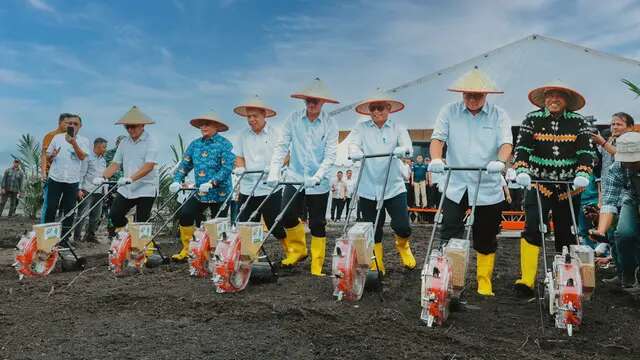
column 339, row 172
column 64, row 116
column 628, row 119
column 99, row 140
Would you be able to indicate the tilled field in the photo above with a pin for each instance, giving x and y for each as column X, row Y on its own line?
column 165, row 314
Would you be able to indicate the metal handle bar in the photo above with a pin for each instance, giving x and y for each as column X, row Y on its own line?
column 72, row 211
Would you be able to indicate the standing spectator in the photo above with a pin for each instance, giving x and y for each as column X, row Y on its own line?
column 338, row 196
column 11, row 185
column 434, row 181
column 45, row 163
column 419, row 173
column 65, row 153
column 92, row 168
column 350, row 187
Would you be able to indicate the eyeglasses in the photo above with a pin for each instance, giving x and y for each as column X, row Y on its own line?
column 312, row 101
column 377, row 107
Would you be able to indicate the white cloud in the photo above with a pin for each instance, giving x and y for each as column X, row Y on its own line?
column 41, row 5
column 11, row 77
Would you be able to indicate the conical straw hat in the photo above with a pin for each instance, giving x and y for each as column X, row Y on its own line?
column 315, row 90
column 135, row 117
column 379, row 97
column 210, row 117
column 254, row 103
column 475, row 81
column 575, row 101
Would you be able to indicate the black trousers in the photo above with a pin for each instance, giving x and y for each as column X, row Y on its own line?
column 486, row 224
column 193, row 211
column 434, row 196
column 517, row 196
column 337, row 205
column 269, row 211
column 121, row 206
column 561, row 214
column 315, row 205
column 60, row 196
column 397, row 209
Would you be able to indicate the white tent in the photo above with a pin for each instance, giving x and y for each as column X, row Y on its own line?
column 517, row 68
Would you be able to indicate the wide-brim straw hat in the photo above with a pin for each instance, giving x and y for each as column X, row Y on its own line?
column 475, row 81
column 379, row 97
column 315, row 90
column 254, row 103
column 628, row 147
column 210, row 118
column 575, row 100
column 135, row 117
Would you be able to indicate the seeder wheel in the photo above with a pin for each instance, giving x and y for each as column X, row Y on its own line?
column 31, row 262
column 348, row 276
column 200, row 255
column 436, row 290
column 122, row 257
column 230, row 273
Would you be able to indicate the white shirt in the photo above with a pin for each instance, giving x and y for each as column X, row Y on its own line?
column 312, row 145
column 339, row 189
column 92, row 167
column 131, row 155
column 351, row 184
column 370, row 139
column 473, row 141
column 66, row 166
column 256, row 149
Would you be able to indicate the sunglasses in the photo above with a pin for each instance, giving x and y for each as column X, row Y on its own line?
column 312, row 101
column 377, row 107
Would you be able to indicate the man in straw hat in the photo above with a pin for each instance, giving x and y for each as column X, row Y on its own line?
column 211, row 159
column 554, row 143
column 477, row 134
column 383, row 135
column 622, row 186
column 137, row 155
column 310, row 136
column 253, row 151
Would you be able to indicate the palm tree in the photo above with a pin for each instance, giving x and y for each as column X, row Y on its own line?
column 29, row 155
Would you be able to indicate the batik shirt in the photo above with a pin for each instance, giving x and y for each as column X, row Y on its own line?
column 211, row 160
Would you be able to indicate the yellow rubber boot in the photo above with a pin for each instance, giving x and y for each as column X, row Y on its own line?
column 186, row 235
column 402, row 245
column 318, row 249
column 379, row 257
column 485, row 264
column 528, row 266
column 296, row 244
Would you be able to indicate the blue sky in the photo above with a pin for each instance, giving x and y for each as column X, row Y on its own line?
column 178, row 58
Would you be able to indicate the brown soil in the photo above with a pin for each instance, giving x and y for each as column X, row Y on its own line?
column 165, row 314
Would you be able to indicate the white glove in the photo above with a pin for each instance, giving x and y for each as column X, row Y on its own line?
column 266, row 170
column 356, row 154
column 239, row 171
column 204, row 188
column 98, row 181
column 436, row 166
column 174, row 187
column 511, row 174
column 124, row 181
column 273, row 179
column 524, row 179
column 401, row 152
column 311, row 182
column 494, row 167
column 580, row 181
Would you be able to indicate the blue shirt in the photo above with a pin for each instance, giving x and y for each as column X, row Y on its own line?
column 367, row 137
column 419, row 172
column 473, row 141
column 211, row 160
column 312, row 146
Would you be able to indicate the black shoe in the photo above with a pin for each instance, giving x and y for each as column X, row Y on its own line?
column 523, row 291
column 615, row 280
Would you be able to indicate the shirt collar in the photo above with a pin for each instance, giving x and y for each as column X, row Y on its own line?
column 485, row 109
column 320, row 118
column 386, row 123
column 265, row 130
column 548, row 113
column 142, row 137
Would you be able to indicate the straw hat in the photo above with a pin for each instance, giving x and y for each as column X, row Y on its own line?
column 628, row 147
column 134, row 117
column 379, row 97
column 210, row 117
column 475, row 81
column 575, row 101
column 315, row 90
column 254, row 103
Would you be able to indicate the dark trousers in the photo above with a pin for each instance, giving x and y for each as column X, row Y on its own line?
column 434, row 196
column 347, row 204
column 561, row 217
column 13, row 202
column 486, row 224
column 121, row 206
column 269, row 212
column 315, row 205
column 60, row 195
column 193, row 211
column 337, row 205
column 397, row 209
column 92, row 220
column 517, row 196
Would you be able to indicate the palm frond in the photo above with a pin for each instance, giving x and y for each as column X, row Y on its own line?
column 633, row 87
